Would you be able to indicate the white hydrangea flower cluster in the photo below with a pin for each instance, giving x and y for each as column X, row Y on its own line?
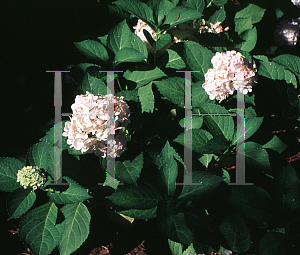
column 88, row 129
column 287, row 33
column 30, row 176
column 231, row 72
column 296, row 2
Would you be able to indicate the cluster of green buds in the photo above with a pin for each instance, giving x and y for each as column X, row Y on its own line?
column 30, row 176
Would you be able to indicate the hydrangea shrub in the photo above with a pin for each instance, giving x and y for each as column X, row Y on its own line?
column 159, row 53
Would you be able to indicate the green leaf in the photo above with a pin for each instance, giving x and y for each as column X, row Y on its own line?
column 218, row 124
column 252, row 11
column 173, row 89
column 251, row 126
column 19, row 202
column 141, row 214
column 146, row 98
column 137, row 8
column 271, row 70
column 199, row 95
column 250, row 38
column 275, row 144
column 177, row 248
column 290, row 62
column 168, row 168
column 9, row 168
column 197, row 58
column 129, row 95
column 119, row 37
column 203, row 184
column 93, row 50
column 160, row 11
column 185, row 14
column 129, row 55
column 253, row 202
column 103, row 39
column 144, row 77
column 279, row 13
column 218, row 16
column 249, row 113
column 200, row 138
column 286, row 185
column 38, row 230
column 139, row 45
column 93, row 85
column 197, row 122
column 261, row 57
column 242, row 24
column 162, row 41
column 74, row 194
column 206, row 159
column 273, row 243
column 77, row 227
column 177, row 229
column 133, row 197
column 219, row 2
column 49, row 138
column 196, row 5
column 290, row 78
column 128, row 171
column 175, row 61
column 226, row 176
column 38, row 155
column 257, row 156
column 236, row 233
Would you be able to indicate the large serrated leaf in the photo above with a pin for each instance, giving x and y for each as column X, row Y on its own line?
column 128, row 171
column 253, row 202
column 286, row 186
column 250, row 38
column 77, row 227
column 139, row 45
column 218, row 16
column 177, row 248
column 19, row 202
column 93, row 85
column 9, row 168
column 198, row 5
column 119, row 37
column 242, row 24
column 129, row 55
column 203, row 184
column 217, row 121
column 38, row 155
column 49, row 138
column 176, row 17
column 38, row 230
column 271, row 70
column 175, row 61
column 275, row 144
column 251, row 126
column 252, row 11
column 178, row 230
column 137, row 8
column 257, row 156
column 273, row 243
column 289, row 61
column 173, row 89
column 236, row 233
column 197, row 58
column 200, row 138
column 74, row 194
column 140, row 214
column 144, row 77
column 146, row 98
column 93, row 50
column 139, row 197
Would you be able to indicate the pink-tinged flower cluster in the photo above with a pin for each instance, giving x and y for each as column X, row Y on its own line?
column 287, row 33
column 231, row 72
column 88, row 130
column 296, row 2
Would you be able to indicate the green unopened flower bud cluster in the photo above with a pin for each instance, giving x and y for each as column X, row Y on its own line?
column 30, row 176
